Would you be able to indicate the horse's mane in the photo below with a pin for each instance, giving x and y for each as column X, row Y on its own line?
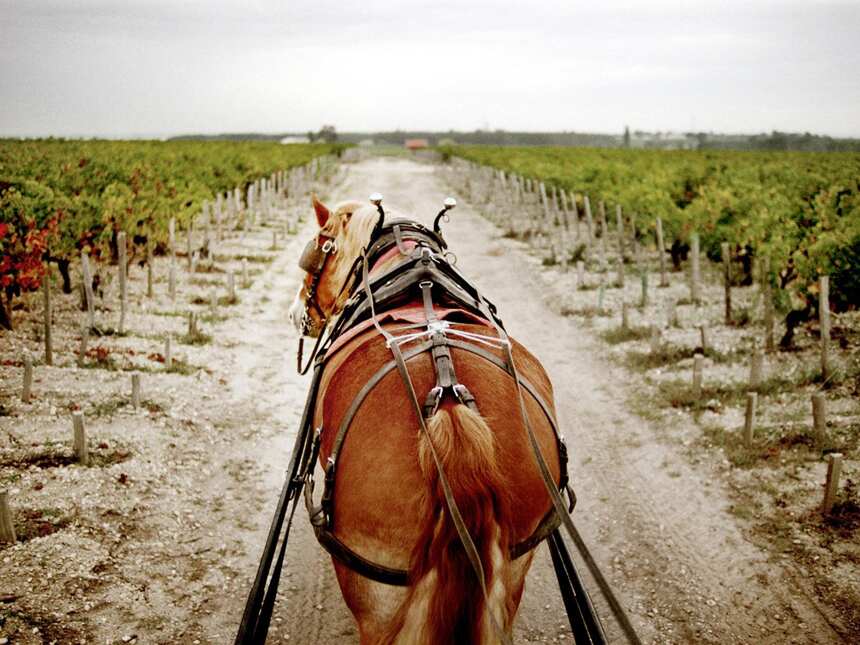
column 354, row 223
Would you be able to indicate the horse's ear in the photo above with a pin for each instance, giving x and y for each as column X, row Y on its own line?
column 321, row 211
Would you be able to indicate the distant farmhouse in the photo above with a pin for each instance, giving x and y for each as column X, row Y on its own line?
column 416, row 144
column 295, row 139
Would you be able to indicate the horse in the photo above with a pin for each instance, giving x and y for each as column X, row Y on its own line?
column 388, row 506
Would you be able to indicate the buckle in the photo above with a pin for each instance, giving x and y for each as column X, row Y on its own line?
column 431, row 403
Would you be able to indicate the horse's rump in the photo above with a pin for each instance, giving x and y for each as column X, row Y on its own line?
column 379, row 485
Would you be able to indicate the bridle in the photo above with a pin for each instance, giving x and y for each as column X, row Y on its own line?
column 313, row 261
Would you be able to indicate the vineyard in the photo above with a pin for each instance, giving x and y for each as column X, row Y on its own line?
column 120, row 435
column 59, row 198
column 148, row 392
column 777, row 421
column 797, row 214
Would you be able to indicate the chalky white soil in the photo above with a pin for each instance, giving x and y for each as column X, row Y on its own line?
column 158, row 542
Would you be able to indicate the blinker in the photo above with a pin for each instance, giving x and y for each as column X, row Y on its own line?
column 313, row 257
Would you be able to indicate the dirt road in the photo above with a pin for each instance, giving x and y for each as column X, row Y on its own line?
column 657, row 524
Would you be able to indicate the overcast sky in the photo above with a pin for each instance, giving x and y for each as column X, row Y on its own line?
column 159, row 67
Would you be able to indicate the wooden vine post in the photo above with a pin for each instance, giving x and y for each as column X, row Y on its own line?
column 819, row 419
column 824, row 324
column 149, row 279
column 7, row 527
column 698, row 366
column 123, row 287
column 727, row 279
column 655, row 339
column 661, row 254
column 82, row 450
column 695, row 270
column 767, row 297
column 189, row 241
column 88, row 289
column 831, row 484
column 168, row 355
column 749, row 418
column 604, row 232
column 135, row 390
column 218, row 227
column 756, row 364
column 48, row 322
column 703, row 338
column 171, row 275
column 619, row 226
column 27, row 384
column 589, row 221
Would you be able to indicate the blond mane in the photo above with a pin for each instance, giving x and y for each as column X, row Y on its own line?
column 351, row 223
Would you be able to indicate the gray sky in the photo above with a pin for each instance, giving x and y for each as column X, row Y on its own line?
column 158, row 67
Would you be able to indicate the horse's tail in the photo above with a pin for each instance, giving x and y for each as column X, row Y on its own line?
column 445, row 603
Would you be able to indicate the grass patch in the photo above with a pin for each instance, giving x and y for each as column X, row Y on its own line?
column 669, row 354
column 589, row 311
column 741, row 317
column 206, row 267
column 213, row 318
column 183, row 368
column 221, row 301
column 619, row 335
column 58, row 455
column 679, row 394
column 205, row 282
column 170, row 314
column 773, row 444
column 108, row 408
column 195, row 337
column 254, row 258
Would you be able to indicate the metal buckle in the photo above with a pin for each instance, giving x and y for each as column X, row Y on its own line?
column 431, row 404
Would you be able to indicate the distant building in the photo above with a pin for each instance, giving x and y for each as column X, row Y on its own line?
column 296, row 139
column 661, row 140
column 366, row 143
column 416, row 144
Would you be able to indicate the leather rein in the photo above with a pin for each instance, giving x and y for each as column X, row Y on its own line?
column 426, row 268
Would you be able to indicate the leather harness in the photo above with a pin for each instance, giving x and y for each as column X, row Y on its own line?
column 422, row 271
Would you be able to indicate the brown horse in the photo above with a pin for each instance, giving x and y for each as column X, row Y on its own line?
column 388, row 504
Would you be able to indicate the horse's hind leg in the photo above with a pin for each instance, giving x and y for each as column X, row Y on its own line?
column 372, row 604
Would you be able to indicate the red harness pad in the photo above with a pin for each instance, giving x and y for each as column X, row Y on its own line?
column 408, row 314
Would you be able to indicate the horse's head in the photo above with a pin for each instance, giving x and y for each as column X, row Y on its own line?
column 327, row 261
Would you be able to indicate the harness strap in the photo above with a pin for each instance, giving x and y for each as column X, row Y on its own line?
column 398, row 239
column 456, row 517
column 584, row 622
column 617, row 609
column 257, row 613
column 451, row 503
